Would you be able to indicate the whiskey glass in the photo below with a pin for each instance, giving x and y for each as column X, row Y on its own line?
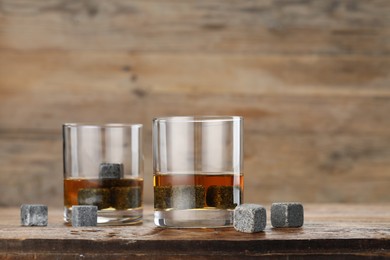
column 103, row 166
column 198, row 170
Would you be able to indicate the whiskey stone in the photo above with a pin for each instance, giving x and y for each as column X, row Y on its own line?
column 221, row 197
column 162, row 197
column 111, row 171
column 188, row 196
column 33, row 215
column 126, row 197
column 99, row 197
column 286, row 215
column 249, row 218
column 84, row 216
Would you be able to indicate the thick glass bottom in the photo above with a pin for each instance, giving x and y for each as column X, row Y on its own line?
column 112, row 217
column 194, row 218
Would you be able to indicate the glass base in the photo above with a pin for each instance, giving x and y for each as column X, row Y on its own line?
column 111, row 217
column 193, row 218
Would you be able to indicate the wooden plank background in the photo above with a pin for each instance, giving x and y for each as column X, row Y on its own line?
column 310, row 77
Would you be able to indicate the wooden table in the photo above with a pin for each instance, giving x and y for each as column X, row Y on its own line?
column 330, row 230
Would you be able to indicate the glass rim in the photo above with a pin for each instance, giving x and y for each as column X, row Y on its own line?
column 196, row 119
column 104, row 125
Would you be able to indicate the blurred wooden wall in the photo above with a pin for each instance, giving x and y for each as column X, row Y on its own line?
column 311, row 78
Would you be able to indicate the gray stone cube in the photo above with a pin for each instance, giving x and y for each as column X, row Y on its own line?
column 221, row 197
column 162, row 197
column 126, row 197
column 111, row 171
column 179, row 197
column 249, row 218
column 33, row 215
column 95, row 197
column 84, row 216
column 286, row 215
column 188, row 196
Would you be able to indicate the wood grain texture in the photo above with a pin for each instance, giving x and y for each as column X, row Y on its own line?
column 330, row 230
column 306, row 93
column 323, row 27
column 311, row 79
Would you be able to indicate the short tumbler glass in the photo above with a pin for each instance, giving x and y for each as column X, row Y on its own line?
column 103, row 166
column 198, row 170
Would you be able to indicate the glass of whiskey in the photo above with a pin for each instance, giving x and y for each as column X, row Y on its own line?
column 198, row 170
column 103, row 166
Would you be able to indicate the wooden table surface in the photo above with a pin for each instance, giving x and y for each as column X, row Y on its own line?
column 330, row 230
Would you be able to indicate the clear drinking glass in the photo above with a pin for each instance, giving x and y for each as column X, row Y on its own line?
column 103, row 166
column 198, row 170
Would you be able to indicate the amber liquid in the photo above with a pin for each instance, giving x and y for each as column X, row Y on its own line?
column 73, row 186
column 207, row 181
